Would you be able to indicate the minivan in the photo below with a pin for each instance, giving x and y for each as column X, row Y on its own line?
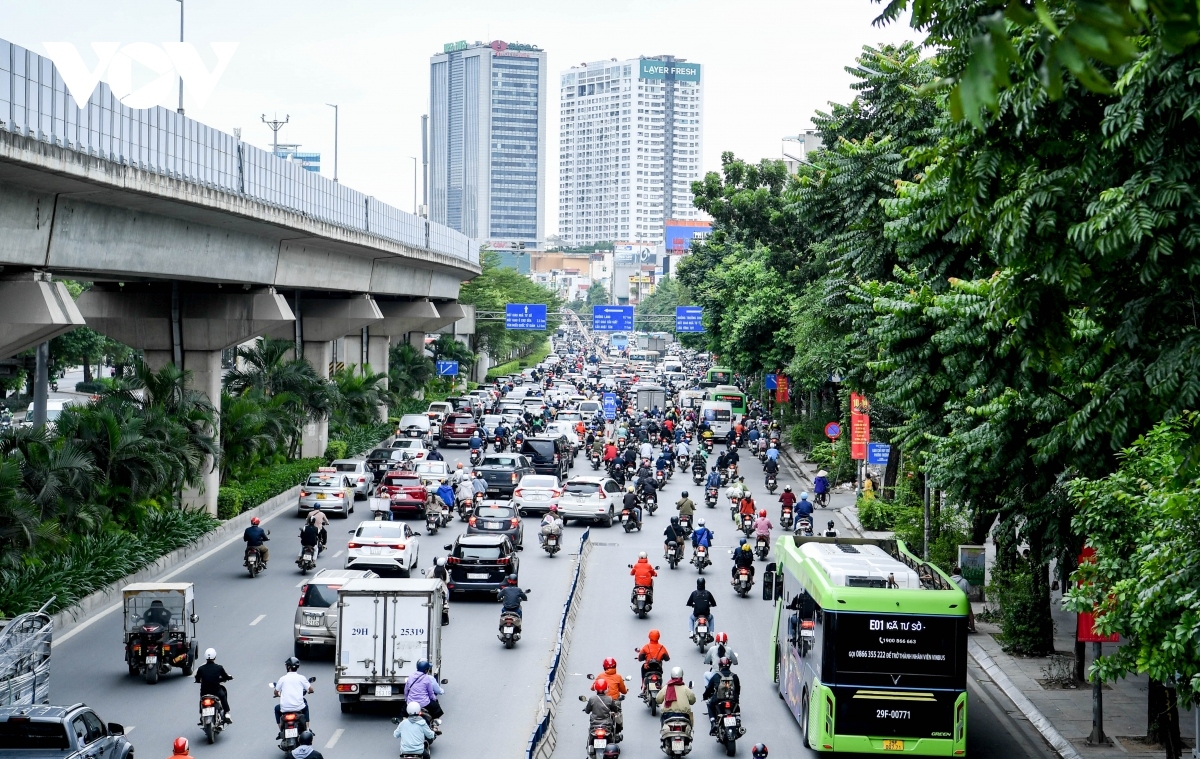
column 550, row 455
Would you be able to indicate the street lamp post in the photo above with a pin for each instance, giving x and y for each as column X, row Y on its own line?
column 335, row 138
column 414, row 160
column 181, row 40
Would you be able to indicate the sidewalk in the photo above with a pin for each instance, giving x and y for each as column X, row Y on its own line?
column 1062, row 715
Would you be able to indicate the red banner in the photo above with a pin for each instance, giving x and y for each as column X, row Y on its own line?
column 781, row 389
column 860, row 426
column 1086, row 631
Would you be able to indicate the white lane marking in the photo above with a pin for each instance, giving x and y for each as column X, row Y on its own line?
column 130, row 728
column 258, row 619
column 109, row 610
column 339, row 553
column 302, row 583
column 333, row 739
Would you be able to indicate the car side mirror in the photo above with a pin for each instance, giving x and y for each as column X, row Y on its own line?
column 312, row 679
column 395, row 720
column 445, row 681
column 194, row 619
column 115, row 729
column 583, row 699
column 527, row 591
column 449, row 546
column 417, row 532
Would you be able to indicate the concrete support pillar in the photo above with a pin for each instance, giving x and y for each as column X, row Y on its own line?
column 205, row 368
column 316, row 433
column 378, row 348
column 34, row 311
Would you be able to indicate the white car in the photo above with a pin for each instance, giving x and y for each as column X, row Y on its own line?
column 383, row 547
column 414, row 449
column 590, row 499
column 536, row 493
column 433, row 472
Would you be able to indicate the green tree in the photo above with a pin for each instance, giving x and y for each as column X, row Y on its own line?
column 358, row 396
column 409, row 369
column 491, row 291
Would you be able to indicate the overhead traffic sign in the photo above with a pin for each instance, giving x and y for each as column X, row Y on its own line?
column 689, row 319
column 612, row 318
column 447, row 368
column 878, row 453
column 610, row 405
column 530, row 316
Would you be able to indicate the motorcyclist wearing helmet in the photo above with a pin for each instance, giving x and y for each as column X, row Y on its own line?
column 647, row 489
column 771, row 467
column 701, row 602
column 702, row 536
column 714, row 479
column 414, row 732
column 256, row 537
column 718, row 650
column 643, row 575
column 616, row 689
column 212, row 677
column 759, row 751
column 787, row 498
column 762, row 525
column 179, row 750
column 804, row 508
column 685, row 505
column 305, row 750
column 601, row 709
column 674, row 534
column 552, row 524
column 510, row 598
column 630, row 501
column 724, row 686
column 434, row 455
column 743, row 558
column 676, row 697
column 291, row 691
column 317, row 519
column 653, row 654
column 424, row 689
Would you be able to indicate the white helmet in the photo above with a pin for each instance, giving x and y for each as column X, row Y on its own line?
column 413, row 708
column 641, row 554
column 700, row 522
column 677, row 672
column 210, row 654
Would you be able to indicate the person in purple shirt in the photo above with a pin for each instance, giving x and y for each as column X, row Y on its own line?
column 424, row 689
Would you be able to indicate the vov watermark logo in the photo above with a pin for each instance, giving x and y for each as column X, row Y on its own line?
column 114, row 64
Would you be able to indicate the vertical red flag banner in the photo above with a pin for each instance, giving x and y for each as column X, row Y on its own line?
column 781, row 388
column 860, row 426
column 1086, row 632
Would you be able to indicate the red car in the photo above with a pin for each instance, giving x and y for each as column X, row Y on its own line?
column 405, row 492
column 458, row 428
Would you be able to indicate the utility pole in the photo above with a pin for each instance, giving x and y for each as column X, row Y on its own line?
column 181, row 40
column 276, row 125
column 335, row 138
column 425, row 164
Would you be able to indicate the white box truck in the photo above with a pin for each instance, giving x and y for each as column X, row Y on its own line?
column 385, row 626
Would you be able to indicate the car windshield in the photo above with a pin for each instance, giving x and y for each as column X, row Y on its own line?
column 401, row 482
column 582, row 488
column 381, row 453
column 499, row 461
column 347, row 467
column 317, row 481
column 491, row 420
column 478, row 552
column 494, row 512
column 18, row 735
column 539, row 481
column 379, row 530
column 432, row 467
column 407, row 444
column 319, row 596
column 569, row 416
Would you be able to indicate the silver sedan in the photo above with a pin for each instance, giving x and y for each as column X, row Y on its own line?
column 536, row 493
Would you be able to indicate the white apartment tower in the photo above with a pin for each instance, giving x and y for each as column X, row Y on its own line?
column 629, row 148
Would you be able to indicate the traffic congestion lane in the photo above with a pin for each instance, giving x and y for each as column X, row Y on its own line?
column 249, row 622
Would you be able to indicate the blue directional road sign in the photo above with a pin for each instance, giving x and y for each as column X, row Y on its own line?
column 689, row 319
column 769, row 382
column 531, row 316
column 877, row 453
column 610, row 406
column 612, row 318
column 447, row 368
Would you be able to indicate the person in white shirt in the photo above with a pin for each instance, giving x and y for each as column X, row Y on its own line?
column 291, row 690
column 682, row 452
column 647, row 451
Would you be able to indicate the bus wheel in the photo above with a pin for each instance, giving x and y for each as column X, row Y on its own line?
column 804, row 718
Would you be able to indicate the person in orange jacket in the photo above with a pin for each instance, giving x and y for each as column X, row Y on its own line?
column 746, row 506
column 643, row 575
column 653, row 654
column 616, row 687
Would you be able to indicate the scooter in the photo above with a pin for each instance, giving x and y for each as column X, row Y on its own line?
column 685, row 522
column 212, row 717
column 307, row 559
column 672, row 554
column 762, row 547
column 702, row 637
column 651, row 685
column 629, row 522
column 476, row 456
column 700, row 558
column 746, row 524
column 743, row 582
column 772, row 483
column 253, row 561
column 711, row 495
column 698, row 475
column 433, row 522
column 804, row 526
column 551, row 544
column 786, row 518
column 291, row 724
column 649, row 502
column 660, row 479
column 728, row 726
column 675, row 736
column 642, row 599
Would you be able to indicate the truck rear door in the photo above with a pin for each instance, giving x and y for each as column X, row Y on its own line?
column 407, row 639
column 361, row 630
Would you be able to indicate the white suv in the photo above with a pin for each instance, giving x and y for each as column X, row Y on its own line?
column 591, row 499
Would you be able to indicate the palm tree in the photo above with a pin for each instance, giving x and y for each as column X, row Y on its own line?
column 358, row 397
column 270, row 370
column 448, row 349
column 254, row 427
column 409, row 369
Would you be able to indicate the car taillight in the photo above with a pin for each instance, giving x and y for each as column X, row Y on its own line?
column 602, row 495
column 556, row 493
column 518, row 492
column 362, row 479
column 347, row 688
column 355, row 545
column 303, row 593
column 556, row 458
column 471, row 521
column 452, row 560
column 396, row 546
column 503, row 560
column 304, row 494
column 513, row 476
column 514, row 521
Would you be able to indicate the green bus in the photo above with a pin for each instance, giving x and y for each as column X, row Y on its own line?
column 719, row 375
column 870, row 647
column 731, row 395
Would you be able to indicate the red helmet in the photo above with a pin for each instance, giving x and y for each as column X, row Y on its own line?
column 721, row 638
column 762, row 512
column 601, row 685
column 180, row 747
column 654, row 635
column 610, row 663
column 253, row 521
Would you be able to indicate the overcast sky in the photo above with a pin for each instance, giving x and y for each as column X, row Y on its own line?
column 768, row 64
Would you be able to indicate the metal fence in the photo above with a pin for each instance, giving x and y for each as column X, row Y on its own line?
column 543, row 740
column 25, row 658
column 35, row 103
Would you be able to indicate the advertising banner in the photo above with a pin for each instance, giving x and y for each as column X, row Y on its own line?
column 1086, row 631
column 674, row 70
column 634, row 255
column 781, row 388
column 860, row 426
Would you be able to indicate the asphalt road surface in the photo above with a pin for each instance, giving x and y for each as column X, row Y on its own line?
column 492, row 693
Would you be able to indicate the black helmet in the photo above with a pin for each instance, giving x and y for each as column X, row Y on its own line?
column 306, row 738
column 292, row 664
column 685, row 494
column 759, row 751
column 699, row 583
column 512, row 579
column 675, row 521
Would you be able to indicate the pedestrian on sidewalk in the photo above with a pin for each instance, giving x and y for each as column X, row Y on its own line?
column 956, row 576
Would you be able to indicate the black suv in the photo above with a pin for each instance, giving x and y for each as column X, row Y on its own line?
column 480, row 562
column 502, row 472
column 382, row 460
column 69, row 732
column 550, row 455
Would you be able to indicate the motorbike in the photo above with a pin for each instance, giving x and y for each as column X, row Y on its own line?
column 708, row 444
column 510, row 628
column 743, row 582
column 711, row 496
column 700, row 558
column 600, row 743
column 804, row 526
column 746, row 524
column 596, row 460
column 551, row 544
column 499, row 444
column 428, row 741
column 786, row 518
column 772, row 483
column 476, row 456
column 675, row 736
column 762, row 547
column 212, row 717
column 291, row 724
column 672, row 555
column 728, row 726
column 307, row 559
column 629, row 522
column 649, row 502
column 253, row 561
column 702, row 637
column 660, row 479
column 698, row 474
column 724, row 472
column 651, row 684
column 685, row 521
column 433, row 521
column 642, row 599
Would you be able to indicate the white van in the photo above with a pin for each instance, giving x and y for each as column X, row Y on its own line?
column 54, row 409
column 719, row 415
column 691, row 398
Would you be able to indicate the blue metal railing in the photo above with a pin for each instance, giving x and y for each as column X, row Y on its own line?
column 542, row 729
column 35, row 103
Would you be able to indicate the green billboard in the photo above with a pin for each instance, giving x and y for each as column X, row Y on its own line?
column 673, row 70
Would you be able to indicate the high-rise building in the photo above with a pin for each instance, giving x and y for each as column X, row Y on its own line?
column 487, row 153
column 631, row 137
column 308, row 161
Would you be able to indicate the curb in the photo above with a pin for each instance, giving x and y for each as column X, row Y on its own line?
column 1056, row 740
column 785, row 450
column 79, row 612
column 850, row 514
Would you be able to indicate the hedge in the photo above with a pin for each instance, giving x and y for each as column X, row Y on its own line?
column 97, row 386
column 512, row 367
column 88, row 563
column 236, row 497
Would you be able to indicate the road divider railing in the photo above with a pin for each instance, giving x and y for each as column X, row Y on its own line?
column 544, row 738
